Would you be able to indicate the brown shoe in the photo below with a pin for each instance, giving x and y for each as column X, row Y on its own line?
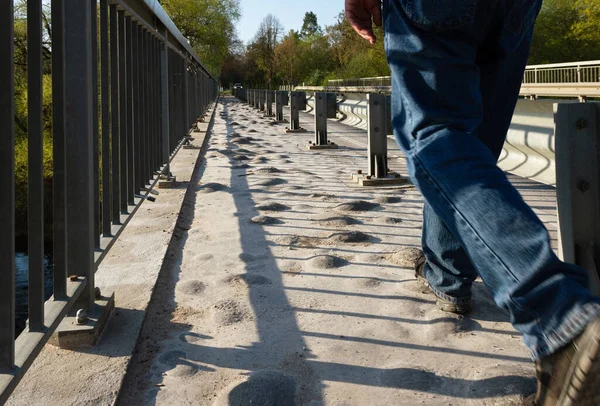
column 571, row 376
column 442, row 304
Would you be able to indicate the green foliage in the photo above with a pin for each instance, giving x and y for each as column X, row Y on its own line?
column 567, row 31
column 310, row 26
column 209, row 26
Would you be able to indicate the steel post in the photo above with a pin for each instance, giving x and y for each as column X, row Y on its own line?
column 377, row 135
column 79, row 103
column 7, row 179
column 320, row 118
column 578, row 185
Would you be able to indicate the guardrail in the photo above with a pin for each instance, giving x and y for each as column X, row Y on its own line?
column 123, row 101
column 529, row 151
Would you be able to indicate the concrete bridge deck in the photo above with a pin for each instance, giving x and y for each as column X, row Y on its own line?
column 285, row 282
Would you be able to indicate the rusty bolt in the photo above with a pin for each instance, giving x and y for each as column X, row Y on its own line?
column 582, row 124
column 73, row 278
column 368, row 177
column 359, row 172
column 583, row 186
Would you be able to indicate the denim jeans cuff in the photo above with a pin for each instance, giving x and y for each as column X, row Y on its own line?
column 571, row 327
column 455, row 300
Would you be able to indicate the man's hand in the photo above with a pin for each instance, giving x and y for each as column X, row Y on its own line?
column 361, row 14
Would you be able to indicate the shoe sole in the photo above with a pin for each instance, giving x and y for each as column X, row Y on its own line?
column 582, row 383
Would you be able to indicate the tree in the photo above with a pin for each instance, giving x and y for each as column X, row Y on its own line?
column 288, row 58
column 262, row 47
column 566, row 31
column 310, row 25
column 208, row 25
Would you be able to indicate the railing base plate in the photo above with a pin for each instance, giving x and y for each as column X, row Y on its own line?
column 69, row 335
column 393, row 179
column 330, row 145
column 299, row 130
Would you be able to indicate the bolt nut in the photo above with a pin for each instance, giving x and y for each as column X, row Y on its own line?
column 376, row 129
column 97, row 293
column 73, row 278
column 82, row 317
column 359, row 172
column 583, row 186
column 582, row 124
column 368, row 177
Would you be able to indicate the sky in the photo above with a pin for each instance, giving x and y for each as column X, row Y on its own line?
column 289, row 12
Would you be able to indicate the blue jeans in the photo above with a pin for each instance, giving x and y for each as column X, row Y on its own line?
column 457, row 66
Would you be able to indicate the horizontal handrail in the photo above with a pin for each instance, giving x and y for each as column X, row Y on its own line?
column 559, row 74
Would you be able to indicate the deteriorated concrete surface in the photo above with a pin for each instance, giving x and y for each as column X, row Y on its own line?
column 287, row 284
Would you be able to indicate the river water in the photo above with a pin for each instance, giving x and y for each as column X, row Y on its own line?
column 22, row 286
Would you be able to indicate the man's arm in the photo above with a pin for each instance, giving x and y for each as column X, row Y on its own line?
column 362, row 14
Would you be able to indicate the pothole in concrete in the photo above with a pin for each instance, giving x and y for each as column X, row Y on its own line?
column 261, row 388
column 357, row 205
column 415, row 379
column 265, row 220
column 273, row 182
column 327, row 262
column 242, row 166
column 405, row 257
column 191, row 287
column 252, row 130
column 392, row 220
column 183, row 371
column 268, row 170
column 247, row 258
column 248, row 279
column 172, row 358
column 191, row 338
column 260, row 160
column 272, row 206
column 371, row 282
column 349, row 237
column 239, row 157
column 212, row 187
column 240, row 140
column 338, row 221
column 388, row 199
column 228, row 312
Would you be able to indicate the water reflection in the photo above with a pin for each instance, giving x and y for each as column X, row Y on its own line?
column 22, row 286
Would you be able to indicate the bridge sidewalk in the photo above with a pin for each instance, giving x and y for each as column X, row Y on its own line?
column 290, row 276
column 286, row 282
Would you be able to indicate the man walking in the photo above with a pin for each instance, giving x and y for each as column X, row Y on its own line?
column 457, row 67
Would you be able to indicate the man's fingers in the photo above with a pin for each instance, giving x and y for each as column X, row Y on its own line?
column 361, row 25
column 376, row 12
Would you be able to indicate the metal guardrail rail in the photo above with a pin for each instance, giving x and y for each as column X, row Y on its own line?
column 577, row 79
column 122, row 103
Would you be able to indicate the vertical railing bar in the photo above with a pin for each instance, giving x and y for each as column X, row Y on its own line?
column 143, row 106
column 123, row 119
column 130, row 113
column 149, row 174
column 157, row 105
column 35, row 136
column 154, row 100
column 59, row 181
column 105, row 93
column 95, row 123
column 164, row 102
column 80, row 173
column 138, row 110
column 7, row 179
column 114, row 111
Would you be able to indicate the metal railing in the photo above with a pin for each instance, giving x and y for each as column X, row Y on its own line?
column 122, row 103
column 576, row 79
